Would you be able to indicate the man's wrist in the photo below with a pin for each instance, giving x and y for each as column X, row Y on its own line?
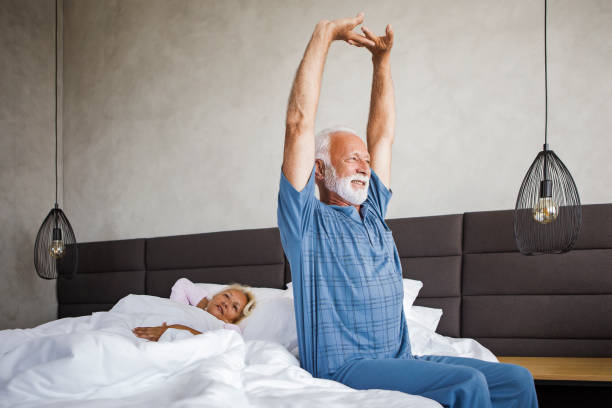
column 325, row 30
column 381, row 60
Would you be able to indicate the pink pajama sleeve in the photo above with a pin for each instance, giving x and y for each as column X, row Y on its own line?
column 185, row 291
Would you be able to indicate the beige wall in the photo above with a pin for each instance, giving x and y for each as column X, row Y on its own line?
column 26, row 157
column 174, row 110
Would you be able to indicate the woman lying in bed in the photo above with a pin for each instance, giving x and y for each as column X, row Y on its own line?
column 230, row 306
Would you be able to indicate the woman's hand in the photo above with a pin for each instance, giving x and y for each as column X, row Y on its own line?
column 203, row 304
column 379, row 46
column 150, row 333
column 155, row 332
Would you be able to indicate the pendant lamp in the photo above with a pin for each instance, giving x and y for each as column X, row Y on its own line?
column 55, row 244
column 548, row 215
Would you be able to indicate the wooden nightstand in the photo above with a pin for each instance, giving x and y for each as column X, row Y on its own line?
column 565, row 368
column 569, row 381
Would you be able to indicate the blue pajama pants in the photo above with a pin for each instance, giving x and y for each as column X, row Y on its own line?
column 454, row 382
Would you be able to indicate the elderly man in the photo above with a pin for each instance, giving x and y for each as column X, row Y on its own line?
column 347, row 276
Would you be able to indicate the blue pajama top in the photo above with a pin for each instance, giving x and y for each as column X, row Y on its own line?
column 347, row 278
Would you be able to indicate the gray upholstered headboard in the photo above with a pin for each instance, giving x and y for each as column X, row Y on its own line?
column 110, row 270
column 550, row 305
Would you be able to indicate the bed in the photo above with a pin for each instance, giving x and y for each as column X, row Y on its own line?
column 514, row 305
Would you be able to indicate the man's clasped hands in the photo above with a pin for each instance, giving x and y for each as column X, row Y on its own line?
column 342, row 29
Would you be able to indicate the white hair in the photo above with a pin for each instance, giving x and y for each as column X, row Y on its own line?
column 341, row 186
column 322, row 141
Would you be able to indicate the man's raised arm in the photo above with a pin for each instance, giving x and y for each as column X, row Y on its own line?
column 299, row 151
column 381, row 122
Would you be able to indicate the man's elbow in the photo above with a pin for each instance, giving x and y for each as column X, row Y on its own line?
column 296, row 128
column 382, row 139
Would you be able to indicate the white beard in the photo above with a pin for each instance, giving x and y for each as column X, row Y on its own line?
column 344, row 188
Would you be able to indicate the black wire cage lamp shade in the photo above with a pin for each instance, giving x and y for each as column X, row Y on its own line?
column 55, row 248
column 548, row 214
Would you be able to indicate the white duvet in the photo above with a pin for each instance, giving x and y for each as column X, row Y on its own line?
column 96, row 361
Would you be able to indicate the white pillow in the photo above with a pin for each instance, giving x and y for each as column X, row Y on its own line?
column 261, row 294
column 273, row 320
column 411, row 291
column 427, row 317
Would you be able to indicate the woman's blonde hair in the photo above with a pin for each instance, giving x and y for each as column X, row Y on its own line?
column 250, row 304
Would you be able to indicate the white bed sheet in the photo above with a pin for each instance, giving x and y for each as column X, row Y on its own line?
column 96, row 361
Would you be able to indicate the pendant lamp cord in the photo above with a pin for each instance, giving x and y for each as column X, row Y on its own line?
column 545, row 97
column 56, row 103
column 545, row 80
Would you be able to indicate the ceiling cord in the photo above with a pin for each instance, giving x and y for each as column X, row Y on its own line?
column 55, row 103
column 545, row 80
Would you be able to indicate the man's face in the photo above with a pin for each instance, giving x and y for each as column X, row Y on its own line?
column 350, row 175
column 227, row 305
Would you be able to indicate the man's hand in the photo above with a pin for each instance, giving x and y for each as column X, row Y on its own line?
column 378, row 46
column 150, row 333
column 342, row 29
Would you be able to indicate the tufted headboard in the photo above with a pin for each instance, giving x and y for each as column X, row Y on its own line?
column 549, row 305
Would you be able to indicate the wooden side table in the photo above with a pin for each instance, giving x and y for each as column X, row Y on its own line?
column 569, row 381
column 565, row 368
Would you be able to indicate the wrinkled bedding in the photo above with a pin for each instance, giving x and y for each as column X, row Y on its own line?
column 96, row 361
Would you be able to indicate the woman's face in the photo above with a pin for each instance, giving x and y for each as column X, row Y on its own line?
column 227, row 305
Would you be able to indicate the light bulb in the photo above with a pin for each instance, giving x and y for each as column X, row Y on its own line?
column 57, row 248
column 546, row 210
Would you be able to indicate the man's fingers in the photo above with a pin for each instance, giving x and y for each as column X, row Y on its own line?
column 356, row 44
column 349, row 23
column 359, row 18
column 360, row 39
column 369, row 34
column 389, row 32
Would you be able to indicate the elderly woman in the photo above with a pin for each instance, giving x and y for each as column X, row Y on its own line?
column 230, row 306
